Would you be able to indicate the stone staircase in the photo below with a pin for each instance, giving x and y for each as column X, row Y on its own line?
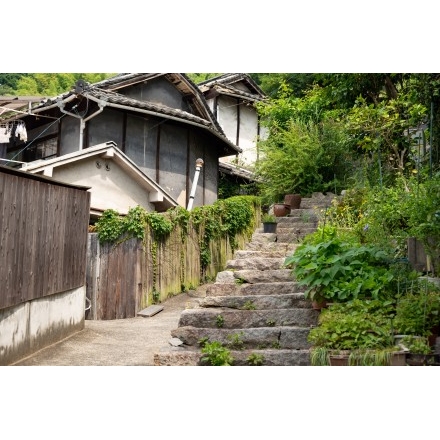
column 255, row 307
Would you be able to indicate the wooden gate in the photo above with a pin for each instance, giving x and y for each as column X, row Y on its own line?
column 114, row 279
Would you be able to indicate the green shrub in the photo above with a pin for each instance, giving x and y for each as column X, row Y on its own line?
column 417, row 345
column 354, row 325
column 110, row 226
column 417, row 312
column 341, row 271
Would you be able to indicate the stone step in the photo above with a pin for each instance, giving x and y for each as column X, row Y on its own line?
column 238, row 255
column 295, row 227
column 263, row 237
column 304, row 217
column 253, row 276
column 258, row 302
column 255, row 306
column 263, row 276
column 285, row 226
column 294, row 237
column 318, row 203
column 256, row 263
column 256, row 337
column 240, row 319
column 287, row 248
column 271, row 288
column 270, row 357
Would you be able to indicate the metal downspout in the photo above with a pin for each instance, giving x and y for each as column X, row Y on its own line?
column 82, row 121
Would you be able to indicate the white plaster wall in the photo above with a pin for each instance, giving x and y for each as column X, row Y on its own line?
column 54, row 312
column 227, row 117
column 248, row 134
column 13, row 331
column 33, row 325
column 112, row 189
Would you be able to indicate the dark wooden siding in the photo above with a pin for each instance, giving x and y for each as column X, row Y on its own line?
column 43, row 237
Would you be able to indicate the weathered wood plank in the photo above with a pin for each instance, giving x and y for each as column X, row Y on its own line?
column 33, row 245
column 150, row 311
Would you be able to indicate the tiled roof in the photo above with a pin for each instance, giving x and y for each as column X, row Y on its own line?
column 234, row 170
column 228, row 79
column 117, row 98
column 237, row 93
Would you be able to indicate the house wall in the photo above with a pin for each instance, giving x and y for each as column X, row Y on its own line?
column 70, row 127
column 111, row 186
column 173, row 153
column 227, row 116
column 230, row 112
column 161, row 148
column 165, row 151
column 248, row 134
column 141, row 143
column 104, row 127
column 157, row 90
column 33, row 325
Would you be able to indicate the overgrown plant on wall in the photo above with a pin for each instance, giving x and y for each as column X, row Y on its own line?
column 225, row 219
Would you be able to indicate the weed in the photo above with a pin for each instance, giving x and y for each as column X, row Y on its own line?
column 203, row 341
column 236, row 341
column 276, row 345
column 249, row 305
column 305, row 217
column 216, row 354
column 255, row 359
column 220, row 321
column 155, row 294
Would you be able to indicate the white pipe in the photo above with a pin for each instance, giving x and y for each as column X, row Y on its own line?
column 82, row 122
column 199, row 164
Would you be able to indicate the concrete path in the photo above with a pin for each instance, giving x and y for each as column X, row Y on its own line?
column 120, row 342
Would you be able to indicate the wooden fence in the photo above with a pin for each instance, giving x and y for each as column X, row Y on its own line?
column 43, row 236
column 123, row 279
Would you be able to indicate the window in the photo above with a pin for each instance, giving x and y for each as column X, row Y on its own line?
column 42, row 149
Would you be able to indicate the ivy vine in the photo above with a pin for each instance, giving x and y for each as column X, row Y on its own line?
column 225, row 217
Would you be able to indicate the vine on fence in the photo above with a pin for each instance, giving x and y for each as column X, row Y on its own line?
column 224, row 218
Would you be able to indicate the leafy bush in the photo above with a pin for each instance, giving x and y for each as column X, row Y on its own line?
column 268, row 218
column 417, row 312
column 354, row 325
column 417, row 345
column 109, row 227
column 341, row 271
column 423, row 209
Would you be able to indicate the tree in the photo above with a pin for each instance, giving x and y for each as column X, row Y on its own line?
column 200, row 77
column 46, row 84
column 271, row 83
column 303, row 157
column 8, row 82
column 375, row 112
